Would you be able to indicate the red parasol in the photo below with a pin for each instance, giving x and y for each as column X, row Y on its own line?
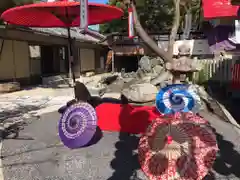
column 61, row 13
column 189, row 156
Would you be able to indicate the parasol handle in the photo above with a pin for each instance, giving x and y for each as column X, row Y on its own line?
column 169, row 137
column 71, row 56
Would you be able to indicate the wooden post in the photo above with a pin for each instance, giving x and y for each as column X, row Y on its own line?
column 113, row 67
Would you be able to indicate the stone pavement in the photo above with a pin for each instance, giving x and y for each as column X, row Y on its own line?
column 33, row 102
column 39, row 100
column 39, row 155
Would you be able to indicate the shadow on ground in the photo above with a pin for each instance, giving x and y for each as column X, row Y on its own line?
column 18, row 112
column 222, row 93
column 227, row 162
column 125, row 163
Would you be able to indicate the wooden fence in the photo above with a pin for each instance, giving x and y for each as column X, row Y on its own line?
column 218, row 70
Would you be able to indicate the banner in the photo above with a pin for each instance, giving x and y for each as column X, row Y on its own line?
column 130, row 23
column 237, row 31
column 83, row 14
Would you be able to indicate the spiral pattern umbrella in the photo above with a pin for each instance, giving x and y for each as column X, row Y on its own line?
column 177, row 98
column 77, row 125
column 189, row 156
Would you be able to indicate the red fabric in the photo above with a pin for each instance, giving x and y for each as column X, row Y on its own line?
column 219, row 8
column 54, row 14
column 125, row 118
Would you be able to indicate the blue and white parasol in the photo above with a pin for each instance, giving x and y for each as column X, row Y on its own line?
column 177, row 98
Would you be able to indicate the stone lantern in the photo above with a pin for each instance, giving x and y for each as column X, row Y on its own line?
column 183, row 66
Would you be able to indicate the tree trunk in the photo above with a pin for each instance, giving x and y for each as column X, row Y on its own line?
column 148, row 41
column 175, row 27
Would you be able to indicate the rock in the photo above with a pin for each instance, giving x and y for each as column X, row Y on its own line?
column 140, row 73
column 116, row 86
column 129, row 75
column 81, row 92
column 9, row 87
column 147, row 78
column 141, row 93
column 133, row 81
column 162, row 77
column 145, row 64
column 114, row 95
column 157, row 61
column 88, row 74
column 96, row 91
column 158, row 69
column 126, row 80
column 109, row 79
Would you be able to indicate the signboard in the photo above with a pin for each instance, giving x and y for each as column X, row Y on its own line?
column 130, row 23
column 237, row 31
column 83, row 14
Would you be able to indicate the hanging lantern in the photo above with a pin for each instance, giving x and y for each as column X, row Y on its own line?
column 130, row 23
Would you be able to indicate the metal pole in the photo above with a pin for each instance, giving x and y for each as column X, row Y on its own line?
column 69, row 55
column 71, row 60
column 14, row 62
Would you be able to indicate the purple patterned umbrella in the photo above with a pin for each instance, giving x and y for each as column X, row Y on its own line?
column 77, row 125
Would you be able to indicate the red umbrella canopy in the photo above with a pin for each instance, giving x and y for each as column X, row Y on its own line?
column 219, row 9
column 59, row 14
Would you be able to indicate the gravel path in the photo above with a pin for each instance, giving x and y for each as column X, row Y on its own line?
column 39, row 155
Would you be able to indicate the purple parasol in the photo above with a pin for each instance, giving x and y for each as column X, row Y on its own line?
column 77, row 125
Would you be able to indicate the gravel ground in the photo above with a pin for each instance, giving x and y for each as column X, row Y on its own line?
column 39, row 155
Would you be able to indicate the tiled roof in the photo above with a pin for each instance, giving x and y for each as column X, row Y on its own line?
column 75, row 33
column 89, row 36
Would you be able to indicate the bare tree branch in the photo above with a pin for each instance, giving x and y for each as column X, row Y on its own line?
column 175, row 27
column 145, row 37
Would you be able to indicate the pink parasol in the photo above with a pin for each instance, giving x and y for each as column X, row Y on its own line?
column 188, row 156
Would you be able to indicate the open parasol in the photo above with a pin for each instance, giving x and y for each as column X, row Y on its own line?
column 189, row 156
column 78, row 123
column 177, row 98
column 60, row 13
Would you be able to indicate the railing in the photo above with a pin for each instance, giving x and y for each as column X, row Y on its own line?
column 124, row 39
column 218, row 70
